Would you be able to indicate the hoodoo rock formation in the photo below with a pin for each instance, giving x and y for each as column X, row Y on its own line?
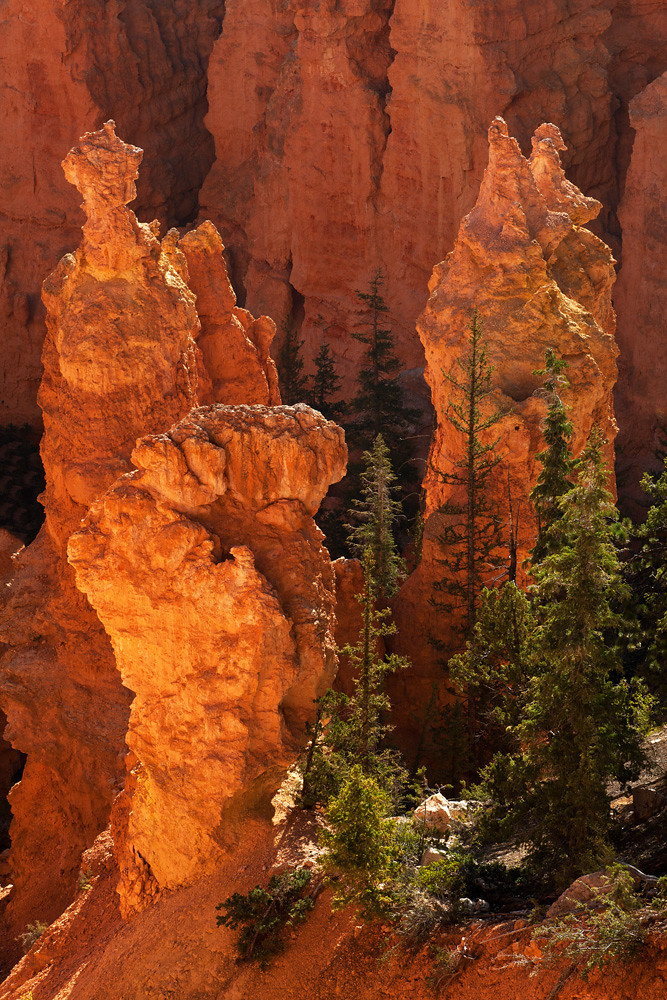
column 538, row 280
column 640, row 296
column 210, row 577
column 67, row 67
column 121, row 360
column 323, row 140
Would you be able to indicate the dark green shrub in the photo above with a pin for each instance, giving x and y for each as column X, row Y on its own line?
column 263, row 914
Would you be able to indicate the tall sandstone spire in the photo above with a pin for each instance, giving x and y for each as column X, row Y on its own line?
column 538, row 280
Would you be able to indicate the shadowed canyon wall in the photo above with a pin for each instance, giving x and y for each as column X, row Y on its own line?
column 641, row 294
column 324, row 139
column 539, row 280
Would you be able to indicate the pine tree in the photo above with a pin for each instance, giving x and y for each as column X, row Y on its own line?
column 379, row 404
column 646, row 573
column 575, row 729
column 353, row 730
column 325, row 385
column 556, row 459
column 495, row 670
column 377, row 513
column 293, row 382
column 472, row 529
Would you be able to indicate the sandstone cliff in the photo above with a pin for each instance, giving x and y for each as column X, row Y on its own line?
column 537, row 279
column 209, row 575
column 354, row 136
column 640, row 295
column 120, row 360
column 347, row 135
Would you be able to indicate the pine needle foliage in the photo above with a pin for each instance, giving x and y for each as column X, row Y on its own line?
column 573, row 726
column 646, row 573
column 265, row 914
column 379, row 404
column 554, row 480
column 293, row 381
column 353, row 730
column 359, row 846
column 325, row 385
column 376, row 514
column 472, row 527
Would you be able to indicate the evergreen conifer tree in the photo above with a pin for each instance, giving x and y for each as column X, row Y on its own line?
column 575, row 728
column 646, row 573
column 293, row 382
column 379, row 404
column 353, row 730
column 472, row 527
column 325, row 385
column 376, row 514
column 556, row 459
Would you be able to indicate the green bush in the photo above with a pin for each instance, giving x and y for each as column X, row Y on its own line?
column 360, row 858
column 264, row 914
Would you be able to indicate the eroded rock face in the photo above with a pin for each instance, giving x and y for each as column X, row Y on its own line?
column 538, row 280
column 351, row 135
column 640, row 295
column 209, row 574
column 235, row 346
column 120, row 360
column 67, row 67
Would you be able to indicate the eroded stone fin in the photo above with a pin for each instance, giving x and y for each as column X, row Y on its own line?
column 231, row 652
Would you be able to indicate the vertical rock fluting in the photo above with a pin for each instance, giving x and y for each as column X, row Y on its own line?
column 120, row 360
column 210, row 577
column 537, row 279
column 355, row 136
column 67, row 67
column 640, row 296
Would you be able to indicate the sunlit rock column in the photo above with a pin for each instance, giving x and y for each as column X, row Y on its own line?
column 537, row 280
column 210, row 577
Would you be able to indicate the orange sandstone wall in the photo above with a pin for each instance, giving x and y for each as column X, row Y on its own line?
column 322, row 139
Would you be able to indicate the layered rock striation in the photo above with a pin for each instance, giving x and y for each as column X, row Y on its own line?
column 209, row 575
column 537, row 279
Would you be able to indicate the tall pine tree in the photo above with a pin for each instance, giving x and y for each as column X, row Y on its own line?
column 574, row 729
column 646, row 573
column 379, row 404
column 472, row 527
column 293, row 381
column 351, row 731
column 326, row 385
